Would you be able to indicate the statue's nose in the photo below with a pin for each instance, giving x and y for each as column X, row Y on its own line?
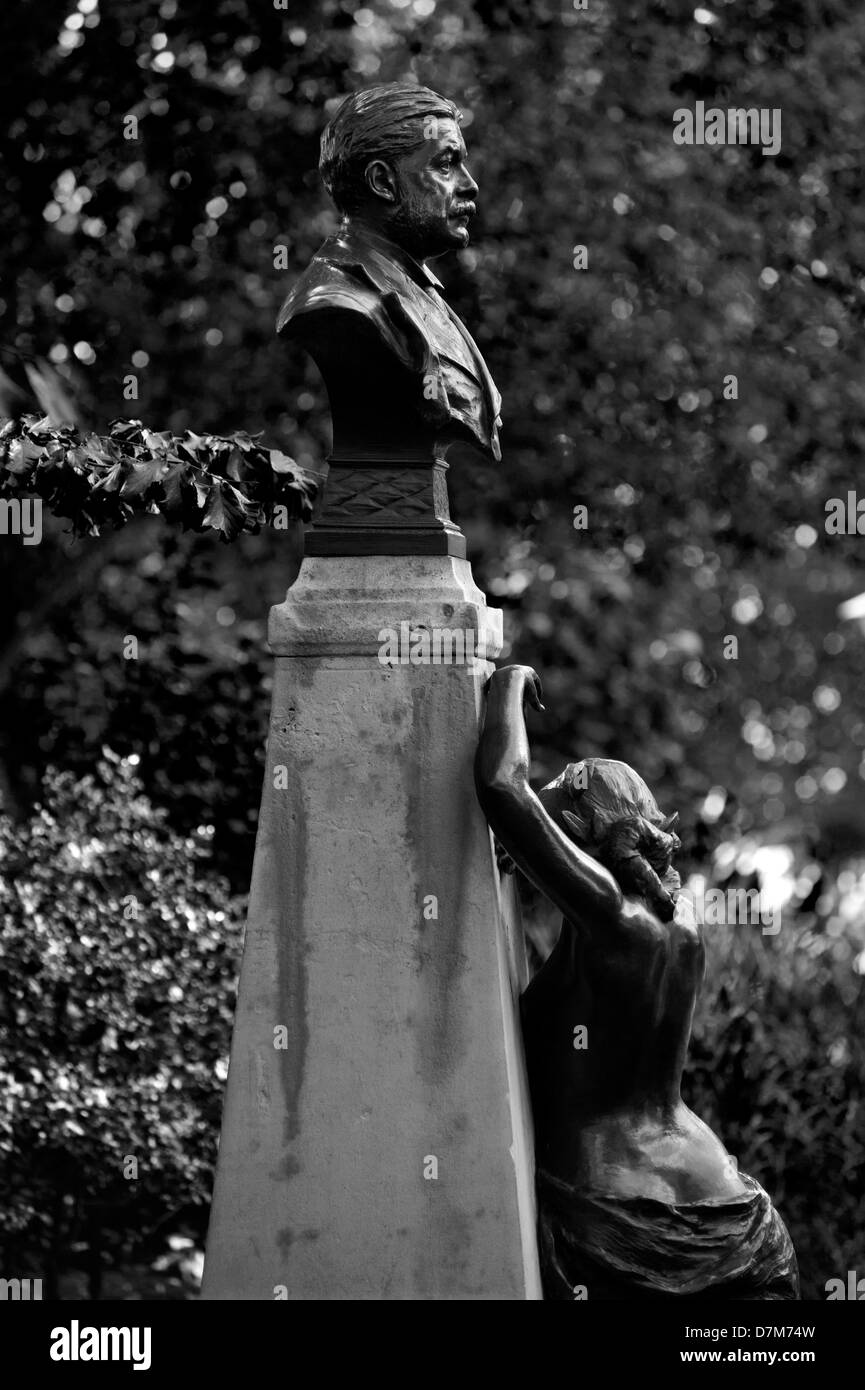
column 468, row 187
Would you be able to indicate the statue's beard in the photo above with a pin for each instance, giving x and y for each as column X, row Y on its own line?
column 421, row 232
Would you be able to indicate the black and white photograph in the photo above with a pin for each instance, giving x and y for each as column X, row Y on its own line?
column 432, row 647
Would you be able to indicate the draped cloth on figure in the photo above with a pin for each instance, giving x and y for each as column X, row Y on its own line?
column 621, row 1248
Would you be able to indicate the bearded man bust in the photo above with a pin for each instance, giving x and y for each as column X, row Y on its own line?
column 402, row 371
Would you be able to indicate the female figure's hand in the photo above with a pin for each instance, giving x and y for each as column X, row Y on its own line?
column 523, row 676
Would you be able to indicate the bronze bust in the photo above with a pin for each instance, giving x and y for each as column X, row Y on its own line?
column 637, row 1198
column 393, row 160
column 405, row 379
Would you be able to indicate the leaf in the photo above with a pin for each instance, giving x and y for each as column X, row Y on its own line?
column 234, row 466
column 240, row 509
column 156, row 440
column 226, row 511
column 98, row 449
column 214, row 513
column 202, row 487
column 111, row 480
column 172, row 486
column 143, row 474
column 124, row 429
column 22, row 454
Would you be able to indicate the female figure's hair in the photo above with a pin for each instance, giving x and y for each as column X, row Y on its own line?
column 606, row 807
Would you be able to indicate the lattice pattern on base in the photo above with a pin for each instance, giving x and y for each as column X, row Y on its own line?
column 380, row 494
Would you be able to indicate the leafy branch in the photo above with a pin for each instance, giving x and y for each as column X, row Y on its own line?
column 228, row 484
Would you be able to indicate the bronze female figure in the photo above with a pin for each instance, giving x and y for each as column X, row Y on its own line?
column 637, row 1197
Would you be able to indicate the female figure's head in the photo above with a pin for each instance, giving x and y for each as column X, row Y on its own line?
column 608, row 810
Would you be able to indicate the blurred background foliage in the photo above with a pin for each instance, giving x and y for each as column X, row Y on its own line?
column 155, row 256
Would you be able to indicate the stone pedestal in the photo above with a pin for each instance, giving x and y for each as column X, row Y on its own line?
column 376, row 1140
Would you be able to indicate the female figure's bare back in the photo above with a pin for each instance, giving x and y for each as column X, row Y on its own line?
column 609, row 1115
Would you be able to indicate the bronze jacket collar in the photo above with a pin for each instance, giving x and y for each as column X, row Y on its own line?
column 359, row 241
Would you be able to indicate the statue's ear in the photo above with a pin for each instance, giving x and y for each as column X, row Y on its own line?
column 381, row 180
column 670, row 821
column 577, row 826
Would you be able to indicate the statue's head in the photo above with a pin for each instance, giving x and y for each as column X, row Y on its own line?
column 394, row 155
column 607, row 809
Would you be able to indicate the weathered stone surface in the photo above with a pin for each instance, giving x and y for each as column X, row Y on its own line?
column 401, row 1036
column 375, row 593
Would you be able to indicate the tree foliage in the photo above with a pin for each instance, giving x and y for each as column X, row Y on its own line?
column 776, row 1067
column 199, row 481
column 118, row 956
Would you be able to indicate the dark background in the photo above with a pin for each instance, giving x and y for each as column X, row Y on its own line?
column 155, row 256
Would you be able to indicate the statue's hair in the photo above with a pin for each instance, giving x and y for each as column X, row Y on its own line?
column 606, row 798
column 375, row 123
column 604, row 791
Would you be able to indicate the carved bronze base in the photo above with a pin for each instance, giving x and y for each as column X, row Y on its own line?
column 397, row 507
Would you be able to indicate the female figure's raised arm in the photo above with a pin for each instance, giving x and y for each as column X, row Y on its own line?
column 573, row 880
